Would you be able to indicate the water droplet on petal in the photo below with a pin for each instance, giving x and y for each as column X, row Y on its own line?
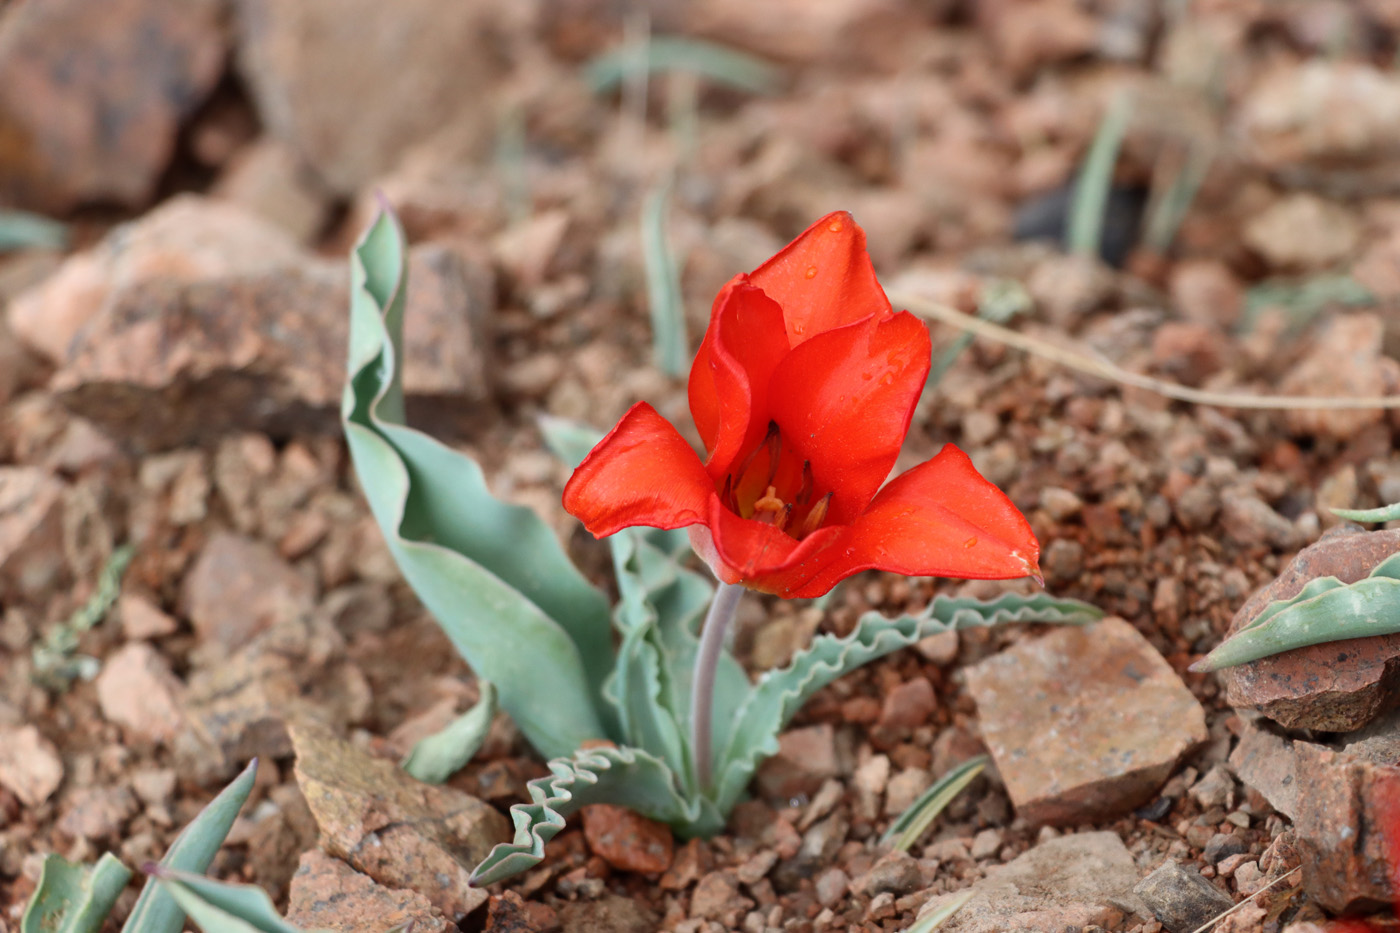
column 867, row 376
column 970, row 542
column 799, row 329
column 887, row 379
column 836, row 226
column 811, row 272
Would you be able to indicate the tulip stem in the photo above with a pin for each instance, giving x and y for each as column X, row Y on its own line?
column 702, row 685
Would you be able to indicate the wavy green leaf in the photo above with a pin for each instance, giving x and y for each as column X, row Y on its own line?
column 1386, row 513
column 441, row 755
column 1326, row 610
column 780, row 693
column 218, row 907
column 918, row 816
column 625, row 776
column 74, row 898
column 192, row 850
column 492, row 574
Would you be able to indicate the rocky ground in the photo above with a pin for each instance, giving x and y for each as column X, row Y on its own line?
column 170, row 381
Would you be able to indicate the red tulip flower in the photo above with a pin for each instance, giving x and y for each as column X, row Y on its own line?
column 802, row 393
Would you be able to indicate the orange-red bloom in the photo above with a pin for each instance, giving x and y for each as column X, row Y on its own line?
column 802, row 392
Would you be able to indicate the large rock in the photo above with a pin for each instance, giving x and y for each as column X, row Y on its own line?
column 317, row 68
column 1085, row 722
column 1181, row 899
column 201, row 319
column 329, row 895
column 399, row 831
column 186, row 239
column 1331, row 687
column 1326, row 122
column 1070, row 883
column 138, row 692
column 1302, row 232
column 92, row 93
column 1347, row 820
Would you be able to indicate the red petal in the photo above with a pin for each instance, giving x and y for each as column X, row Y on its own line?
column 642, row 473
column 730, row 377
column 758, row 555
column 940, row 519
column 823, row 279
column 843, row 401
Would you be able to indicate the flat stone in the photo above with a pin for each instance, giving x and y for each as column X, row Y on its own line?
column 806, row 758
column 895, row 872
column 92, row 95
column 314, row 66
column 1324, row 123
column 143, row 619
column 1348, row 809
column 97, row 813
column 399, row 831
column 1303, row 232
column 138, row 692
column 239, row 587
column 1181, row 899
column 1267, row 762
column 626, row 840
column 1347, row 358
column 1066, row 883
column 1084, row 722
column 268, row 179
column 29, row 765
column 1331, row 687
column 31, row 530
column 608, row 914
column 908, row 705
column 327, row 894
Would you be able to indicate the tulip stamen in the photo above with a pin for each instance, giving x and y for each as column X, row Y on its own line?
column 804, row 495
column 770, row 508
column 814, row 518
column 774, row 443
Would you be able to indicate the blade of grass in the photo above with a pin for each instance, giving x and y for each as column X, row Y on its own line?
column 1386, row 513
column 1002, row 299
column 936, row 918
column 664, row 299
column 23, row 230
column 1168, row 206
column 1086, row 210
column 706, row 60
column 906, row 830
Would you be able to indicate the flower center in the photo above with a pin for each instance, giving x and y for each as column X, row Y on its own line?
column 774, row 486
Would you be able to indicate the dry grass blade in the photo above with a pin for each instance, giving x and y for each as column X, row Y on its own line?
column 936, row 918
column 1214, row 920
column 1084, row 230
column 1104, row 370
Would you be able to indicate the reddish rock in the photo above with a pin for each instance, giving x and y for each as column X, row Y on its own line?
column 1332, row 687
column 267, row 179
column 399, row 831
column 142, row 618
column 627, row 840
column 806, row 758
column 97, row 813
column 31, row 530
column 92, row 93
column 29, row 765
column 1346, row 359
column 329, row 895
column 1268, row 763
column 1207, row 292
column 1348, row 814
column 1303, row 232
column 1129, row 713
column 315, row 69
column 186, row 239
column 138, row 692
column 239, row 587
column 508, row 912
column 908, row 705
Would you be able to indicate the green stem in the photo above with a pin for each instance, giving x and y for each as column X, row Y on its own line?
column 702, row 685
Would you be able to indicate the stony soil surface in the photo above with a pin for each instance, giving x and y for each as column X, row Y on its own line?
column 171, row 381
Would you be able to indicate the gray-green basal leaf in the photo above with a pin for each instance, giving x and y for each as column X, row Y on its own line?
column 74, row 898
column 442, row 754
column 492, row 574
column 193, row 850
